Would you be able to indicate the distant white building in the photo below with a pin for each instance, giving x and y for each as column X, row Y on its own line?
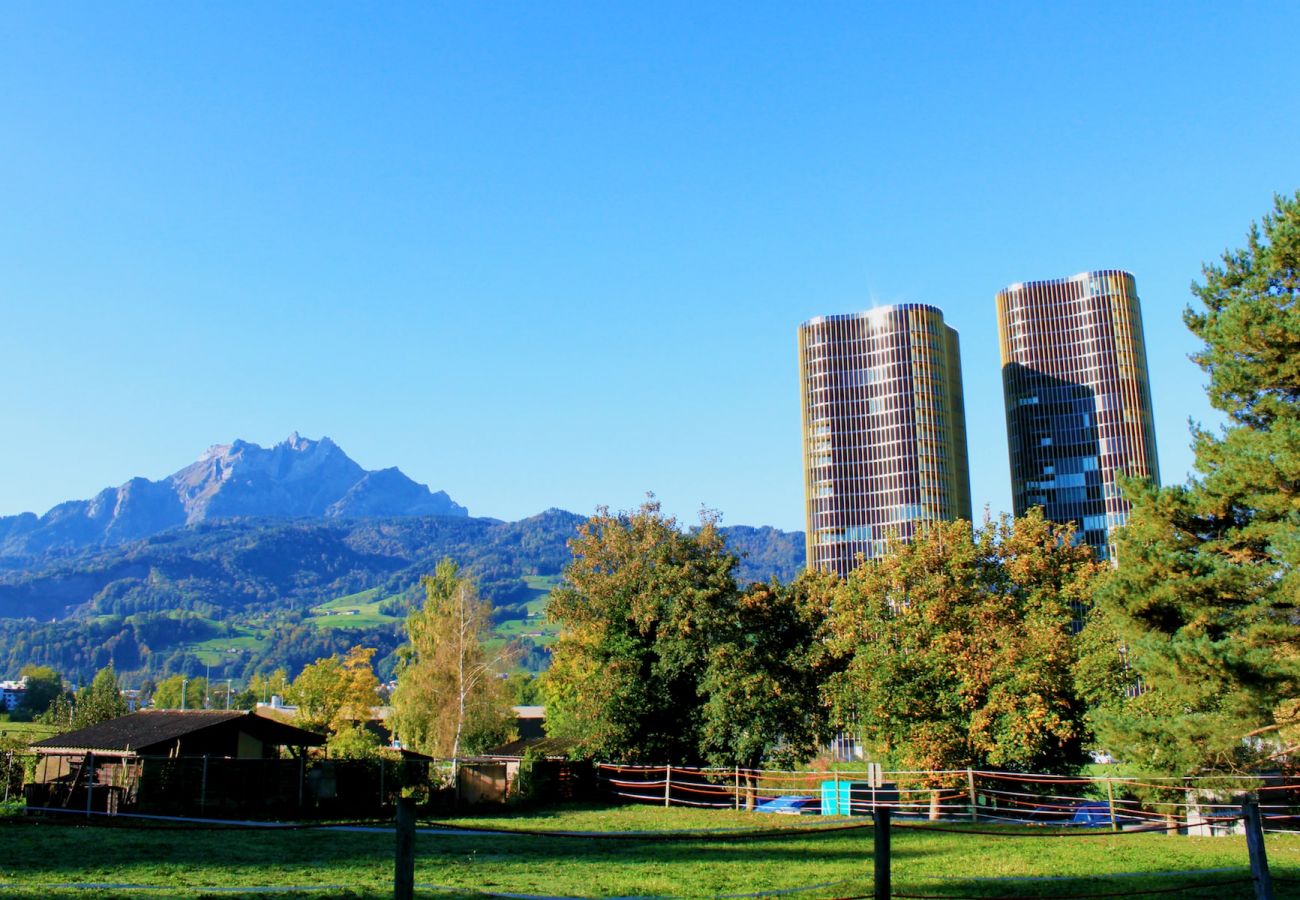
column 12, row 693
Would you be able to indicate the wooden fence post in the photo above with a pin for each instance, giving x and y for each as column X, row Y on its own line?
column 668, row 784
column 1110, row 803
column 89, row 764
column 404, row 857
column 1255, row 846
column 970, row 789
column 880, row 815
column 737, row 788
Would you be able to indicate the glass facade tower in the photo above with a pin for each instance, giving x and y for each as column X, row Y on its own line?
column 884, row 430
column 1078, row 400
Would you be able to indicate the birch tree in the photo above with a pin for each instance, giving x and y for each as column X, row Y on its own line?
column 449, row 697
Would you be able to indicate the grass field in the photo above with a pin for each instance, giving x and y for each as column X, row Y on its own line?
column 360, row 610
column 29, row 731
column 157, row 862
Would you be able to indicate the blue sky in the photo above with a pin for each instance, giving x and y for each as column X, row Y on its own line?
column 555, row 254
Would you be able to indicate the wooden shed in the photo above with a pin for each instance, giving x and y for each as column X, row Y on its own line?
column 173, row 760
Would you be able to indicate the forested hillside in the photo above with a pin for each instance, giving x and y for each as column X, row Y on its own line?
column 249, row 595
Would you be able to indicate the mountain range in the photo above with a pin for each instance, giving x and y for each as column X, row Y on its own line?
column 296, row 478
column 252, row 558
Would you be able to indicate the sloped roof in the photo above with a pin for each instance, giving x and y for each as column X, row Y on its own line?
column 160, row 728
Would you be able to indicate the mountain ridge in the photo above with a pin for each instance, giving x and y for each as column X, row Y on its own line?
column 298, row 477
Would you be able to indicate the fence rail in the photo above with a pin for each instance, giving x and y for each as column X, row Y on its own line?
column 1199, row 806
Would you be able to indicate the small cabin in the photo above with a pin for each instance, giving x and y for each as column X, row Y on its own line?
column 173, row 760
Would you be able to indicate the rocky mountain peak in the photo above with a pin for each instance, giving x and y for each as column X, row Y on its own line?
column 298, row 477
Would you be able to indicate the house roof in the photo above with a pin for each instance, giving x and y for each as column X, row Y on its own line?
column 158, row 729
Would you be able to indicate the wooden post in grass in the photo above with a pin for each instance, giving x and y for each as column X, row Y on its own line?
column 1110, row 803
column 737, row 788
column 668, row 784
column 880, row 815
column 404, row 859
column 970, row 790
column 1255, row 846
column 89, row 764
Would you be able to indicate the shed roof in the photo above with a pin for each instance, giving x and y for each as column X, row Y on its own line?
column 158, row 729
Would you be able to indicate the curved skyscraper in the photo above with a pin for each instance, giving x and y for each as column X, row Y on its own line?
column 1078, row 401
column 884, row 430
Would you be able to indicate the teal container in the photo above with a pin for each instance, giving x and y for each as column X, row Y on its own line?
column 838, row 797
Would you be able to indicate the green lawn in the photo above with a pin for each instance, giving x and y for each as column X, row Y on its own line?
column 41, row 856
column 29, row 731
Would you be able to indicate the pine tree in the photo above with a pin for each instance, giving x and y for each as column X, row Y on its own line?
column 1205, row 596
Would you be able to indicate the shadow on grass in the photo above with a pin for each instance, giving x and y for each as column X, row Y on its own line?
column 61, row 851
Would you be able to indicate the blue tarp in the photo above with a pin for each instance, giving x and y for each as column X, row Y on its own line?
column 783, row 804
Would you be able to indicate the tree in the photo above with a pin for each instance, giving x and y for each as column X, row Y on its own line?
column 448, row 697
column 263, row 687
column 43, row 685
column 99, row 701
column 762, row 682
column 524, row 689
column 1204, row 599
column 336, row 692
column 167, row 694
column 958, row 646
column 352, row 742
column 640, row 603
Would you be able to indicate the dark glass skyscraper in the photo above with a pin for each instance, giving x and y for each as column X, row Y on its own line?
column 884, row 429
column 1078, row 400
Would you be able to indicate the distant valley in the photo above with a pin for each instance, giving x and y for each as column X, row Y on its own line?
column 252, row 559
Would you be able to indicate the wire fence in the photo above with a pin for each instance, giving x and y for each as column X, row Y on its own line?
column 1204, row 806
column 961, row 804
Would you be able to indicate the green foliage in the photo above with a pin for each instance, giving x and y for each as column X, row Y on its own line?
column 180, row 692
column 764, row 673
column 448, row 698
column 958, row 646
column 264, row 686
column 336, row 692
column 353, row 742
column 59, row 713
column 640, row 603
column 662, row 657
column 1205, row 596
column 524, row 689
column 237, row 595
column 98, row 701
column 43, row 685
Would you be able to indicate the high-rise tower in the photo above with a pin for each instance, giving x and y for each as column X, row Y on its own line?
column 884, row 429
column 1074, row 375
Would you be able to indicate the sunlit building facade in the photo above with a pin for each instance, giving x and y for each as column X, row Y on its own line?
column 884, row 430
column 1078, row 399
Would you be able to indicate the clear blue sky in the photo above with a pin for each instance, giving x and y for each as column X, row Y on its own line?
column 555, row 255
